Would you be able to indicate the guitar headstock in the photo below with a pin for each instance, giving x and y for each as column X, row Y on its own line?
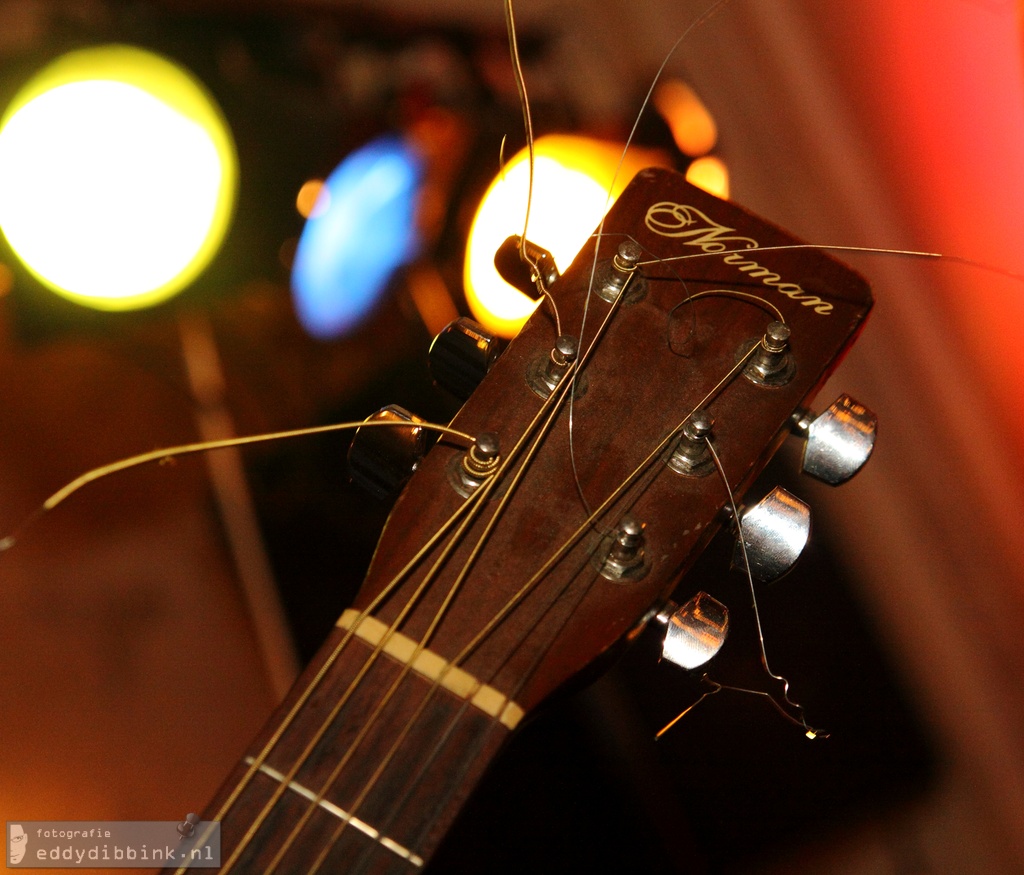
column 592, row 487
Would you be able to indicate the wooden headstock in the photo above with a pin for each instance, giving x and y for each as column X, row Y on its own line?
column 505, row 571
column 674, row 338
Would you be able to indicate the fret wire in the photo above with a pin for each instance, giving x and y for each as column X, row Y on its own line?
column 472, row 503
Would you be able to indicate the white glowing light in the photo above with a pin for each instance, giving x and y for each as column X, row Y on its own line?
column 116, row 194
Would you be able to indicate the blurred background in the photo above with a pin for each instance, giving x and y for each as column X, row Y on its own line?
column 149, row 625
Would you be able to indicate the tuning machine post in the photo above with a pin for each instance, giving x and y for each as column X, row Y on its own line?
column 546, row 371
column 772, row 363
column 838, row 442
column 623, row 267
column 692, row 455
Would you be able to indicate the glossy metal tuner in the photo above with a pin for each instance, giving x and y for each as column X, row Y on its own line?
column 775, row 532
column 517, row 272
column 461, row 355
column 382, row 458
column 695, row 632
column 839, row 441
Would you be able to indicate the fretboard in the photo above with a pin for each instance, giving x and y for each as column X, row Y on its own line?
column 373, row 787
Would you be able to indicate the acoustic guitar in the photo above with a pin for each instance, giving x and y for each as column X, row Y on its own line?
column 593, row 468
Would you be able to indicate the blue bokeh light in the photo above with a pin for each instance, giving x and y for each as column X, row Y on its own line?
column 362, row 230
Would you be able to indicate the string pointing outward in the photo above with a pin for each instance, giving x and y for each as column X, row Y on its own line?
column 168, row 453
column 714, row 687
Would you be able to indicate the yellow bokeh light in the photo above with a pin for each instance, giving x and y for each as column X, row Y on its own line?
column 117, row 177
column 572, row 180
column 710, row 174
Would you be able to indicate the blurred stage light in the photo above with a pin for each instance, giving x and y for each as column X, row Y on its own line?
column 692, row 126
column 309, row 198
column 118, row 176
column 710, row 174
column 572, row 179
column 361, row 229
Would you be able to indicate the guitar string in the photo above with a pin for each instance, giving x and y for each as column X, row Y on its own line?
column 474, row 502
column 738, row 522
column 467, row 506
column 434, row 686
column 528, row 125
column 524, row 104
column 698, row 22
column 564, row 386
column 410, row 723
column 168, row 454
column 480, row 495
column 384, row 826
column 554, row 402
column 863, row 250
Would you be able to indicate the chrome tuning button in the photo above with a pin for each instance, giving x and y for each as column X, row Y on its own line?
column 695, row 632
column 775, row 532
column 518, row 272
column 461, row 356
column 382, row 458
column 839, row 441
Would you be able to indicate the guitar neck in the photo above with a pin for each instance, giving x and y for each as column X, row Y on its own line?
column 331, row 785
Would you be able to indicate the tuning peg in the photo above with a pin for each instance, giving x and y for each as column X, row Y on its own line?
column 839, row 441
column 382, row 458
column 775, row 532
column 695, row 632
column 518, row 273
column 545, row 372
column 772, row 363
column 613, row 275
column 461, row 355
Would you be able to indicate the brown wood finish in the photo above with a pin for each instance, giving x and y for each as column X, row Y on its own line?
column 653, row 365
